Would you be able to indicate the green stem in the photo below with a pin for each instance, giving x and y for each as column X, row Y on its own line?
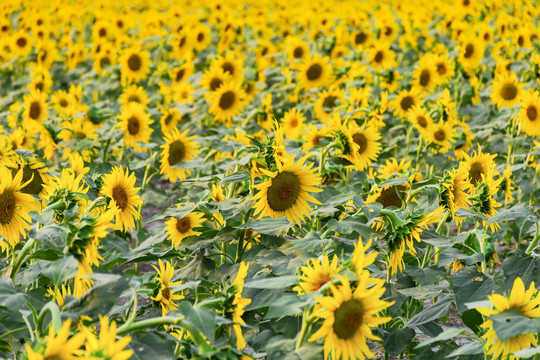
column 392, row 216
column 12, row 332
column 17, row 263
column 306, row 325
column 240, row 249
column 534, row 241
column 56, row 321
column 439, row 231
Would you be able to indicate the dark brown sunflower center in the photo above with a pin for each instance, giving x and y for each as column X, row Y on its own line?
column 33, row 187
column 532, row 113
column 104, row 61
column 120, row 197
column 182, row 42
column 441, row 68
column 7, row 207
column 133, row 125
column 425, row 77
column 348, row 318
column 379, row 56
column 134, row 62
column 323, row 279
column 469, row 51
column 183, row 225
column 39, row 86
column 228, row 67
column 406, row 103
column 421, row 120
column 166, row 293
column 439, row 135
column 314, row 72
column 35, row 110
column 475, row 173
column 298, row 53
column 509, row 91
column 63, row 103
column 102, row 32
column 180, row 74
column 168, row 119
column 21, row 42
column 520, row 40
column 80, row 134
column 134, row 98
column 329, row 102
column 284, row 191
column 200, row 37
column 215, row 84
column 361, row 141
column 177, row 152
column 360, row 38
column 227, row 100
column 391, row 197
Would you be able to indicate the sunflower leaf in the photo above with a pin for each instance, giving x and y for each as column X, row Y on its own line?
column 510, row 323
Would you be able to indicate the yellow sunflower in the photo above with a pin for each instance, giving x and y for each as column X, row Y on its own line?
column 471, row 52
column 35, row 175
column 315, row 72
column 424, row 76
column 348, row 317
column 169, row 119
column 134, row 93
column 58, row 346
column 178, row 229
column 166, row 297
column 14, row 207
column 404, row 101
column 367, row 147
column 529, row 113
column 106, row 346
column 392, row 195
column 315, row 274
column 231, row 64
column 21, row 44
column 239, row 304
column 326, row 102
column 506, row 90
column 520, row 300
column 421, row 120
column 214, row 78
column 119, row 186
column 297, row 49
column 178, row 147
column 477, row 166
column 453, row 192
column 182, row 72
column 441, row 134
column 135, row 64
column 381, row 56
column 293, row 124
column 135, row 123
column 227, row 101
column 286, row 193
column 35, row 106
column 312, row 136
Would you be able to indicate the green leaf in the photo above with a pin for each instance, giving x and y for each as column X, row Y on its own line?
column 151, row 346
column 444, row 336
column 471, row 348
column 278, row 282
column 239, row 176
column 469, row 285
column 397, row 340
column 527, row 268
column 287, row 305
column 9, row 296
column 348, row 225
column 268, row 226
column 473, row 319
column 177, row 213
column 438, row 310
column 60, row 270
column 511, row 323
column 423, row 292
column 519, row 213
column 528, row 352
column 393, row 182
column 202, row 318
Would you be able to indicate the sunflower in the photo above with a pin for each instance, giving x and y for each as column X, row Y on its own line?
column 178, row 229
column 105, row 346
column 424, row 76
column 182, row 72
column 361, row 39
column 286, row 193
column 315, row 274
column 521, row 301
column 214, row 78
column 420, row 119
column 239, row 303
column 392, row 195
column 293, row 124
column 359, row 259
column 471, row 52
column 483, row 200
column 35, row 106
column 231, row 64
column 14, row 207
column 529, row 113
column 134, row 93
column 453, row 192
column 57, row 346
column 7, row 154
column 119, row 186
column 169, row 119
column 381, row 57
column 181, row 47
column 178, row 147
column 135, row 123
column 404, row 101
column 62, row 101
column 506, row 90
column 200, row 37
column 441, row 134
column 35, row 175
column 348, row 317
column 297, row 49
column 315, row 72
column 227, row 101
column 444, row 68
column 166, row 297
column 20, row 43
column 327, row 101
column 477, row 166
column 367, row 147
column 135, row 64
column 312, row 136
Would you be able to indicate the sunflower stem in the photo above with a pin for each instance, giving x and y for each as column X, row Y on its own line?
column 240, row 249
column 439, row 232
column 534, row 242
column 17, row 263
column 306, row 325
column 56, row 321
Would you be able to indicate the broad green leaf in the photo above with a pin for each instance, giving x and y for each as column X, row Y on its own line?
column 511, row 323
column 60, row 270
column 278, row 282
column 444, row 336
column 239, row 176
column 151, row 346
column 473, row 319
column 9, row 296
column 423, row 292
column 527, row 268
column 439, row 309
column 467, row 350
column 528, row 352
column 268, row 226
column 397, row 340
column 202, row 318
column 469, row 285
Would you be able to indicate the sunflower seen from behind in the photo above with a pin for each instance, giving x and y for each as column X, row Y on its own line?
column 287, row 190
column 178, row 148
column 349, row 314
column 119, row 186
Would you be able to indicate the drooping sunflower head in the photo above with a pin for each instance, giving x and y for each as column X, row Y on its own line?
column 477, row 166
column 453, row 191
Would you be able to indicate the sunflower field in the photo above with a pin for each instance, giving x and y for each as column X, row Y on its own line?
column 269, row 179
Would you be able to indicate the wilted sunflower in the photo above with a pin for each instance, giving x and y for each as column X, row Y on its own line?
column 348, row 317
column 520, row 300
column 35, row 106
column 135, row 64
column 529, row 113
column 286, row 192
column 178, row 147
column 506, row 90
column 315, row 274
column 227, row 101
column 315, row 72
column 105, row 346
column 14, row 207
column 293, row 124
column 135, row 123
column 178, row 229
column 166, row 297
column 119, row 186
